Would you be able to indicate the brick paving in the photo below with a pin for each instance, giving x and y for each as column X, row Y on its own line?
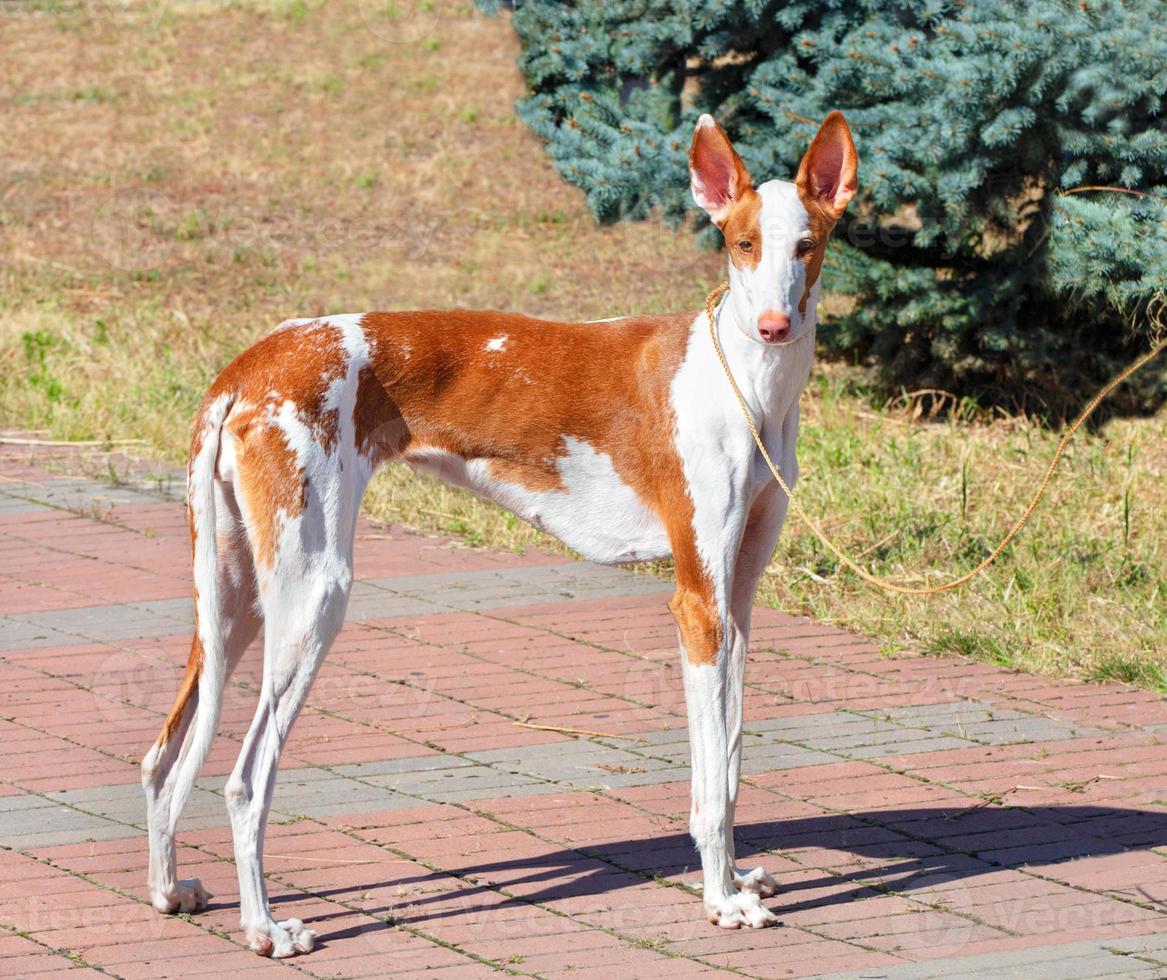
column 925, row 817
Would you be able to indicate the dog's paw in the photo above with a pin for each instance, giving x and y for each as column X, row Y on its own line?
column 280, row 940
column 742, row 909
column 186, row 896
column 757, row 881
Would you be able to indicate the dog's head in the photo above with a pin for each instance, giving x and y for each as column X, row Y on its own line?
column 777, row 233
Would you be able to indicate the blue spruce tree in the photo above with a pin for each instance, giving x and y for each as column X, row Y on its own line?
column 978, row 258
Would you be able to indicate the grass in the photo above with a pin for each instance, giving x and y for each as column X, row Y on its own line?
column 181, row 177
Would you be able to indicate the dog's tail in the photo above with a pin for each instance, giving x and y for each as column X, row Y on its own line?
column 208, row 660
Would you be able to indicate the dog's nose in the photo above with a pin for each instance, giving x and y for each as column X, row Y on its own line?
column 774, row 326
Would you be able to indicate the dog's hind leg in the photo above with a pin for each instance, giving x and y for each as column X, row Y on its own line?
column 302, row 621
column 224, row 579
column 304, row 595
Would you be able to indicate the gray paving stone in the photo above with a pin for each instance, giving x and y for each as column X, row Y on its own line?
column 764, row 747
column 661, row 737
column 425, row 763
column 582, row 764
column 676, row 753
column 472, row 793
column 871, row 739
column 983, row 723
column 1153, row 946
column 1034, row 728
column 331, row 796
column 101, row 812
column 125, row 805
column 369, row 602
column 802, row 724
column 498, row 588
column 1083, row 960
column 10, row 506
column 126, row 621
column 937, row 743
column 769, row 758
column 106, row 830
column 438, row 785
column 299, row 792
column 46, row 823
column 387, row 598
column 825, row 736
column 76, row 494
column 946, row 714
column 29, row 802
column 858, row 738
column 18, row 635
column 581, row 748
column 165, row 486
column 44, row 817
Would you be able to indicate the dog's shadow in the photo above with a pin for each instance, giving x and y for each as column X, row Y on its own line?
column 908, row 850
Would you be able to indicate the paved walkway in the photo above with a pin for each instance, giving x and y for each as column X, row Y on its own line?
column 925, row 817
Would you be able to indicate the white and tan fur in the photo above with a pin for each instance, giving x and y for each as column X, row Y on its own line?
column 622, row 438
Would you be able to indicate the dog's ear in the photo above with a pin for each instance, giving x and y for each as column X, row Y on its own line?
column 828, row 173
column 717, row 176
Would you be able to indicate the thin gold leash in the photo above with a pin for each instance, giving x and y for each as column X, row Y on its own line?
column 711, row 301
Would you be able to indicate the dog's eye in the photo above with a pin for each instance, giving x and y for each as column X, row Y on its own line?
column 746, row 245
column 806, row 246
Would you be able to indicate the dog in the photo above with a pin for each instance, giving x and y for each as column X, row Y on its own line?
column 621, row 438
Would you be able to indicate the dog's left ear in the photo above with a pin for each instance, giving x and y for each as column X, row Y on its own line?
column 828, row 173
column 717, row 176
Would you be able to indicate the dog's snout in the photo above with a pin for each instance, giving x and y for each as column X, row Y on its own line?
column 774, row 327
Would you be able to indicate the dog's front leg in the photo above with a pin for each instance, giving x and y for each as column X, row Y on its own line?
column 707, row 635
column 765, row 522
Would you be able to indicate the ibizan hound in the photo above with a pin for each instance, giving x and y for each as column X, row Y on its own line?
column 621, row 438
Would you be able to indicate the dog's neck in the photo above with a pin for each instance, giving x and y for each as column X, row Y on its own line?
column 771, row 376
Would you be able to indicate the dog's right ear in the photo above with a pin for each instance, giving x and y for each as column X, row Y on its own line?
column 717, row 176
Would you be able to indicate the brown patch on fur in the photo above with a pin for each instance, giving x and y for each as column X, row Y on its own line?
column 324, row 354
column 700, row 626
column 821, row 226
column 187, row 690
column 450, row 398
column 545, row 477
column 380, row 432
column 694, row 605
column 198, row 427
column 271, row 482
column 744, row 225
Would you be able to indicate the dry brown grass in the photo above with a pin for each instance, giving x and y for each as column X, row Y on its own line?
column 176, row 184
column 180, row 177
